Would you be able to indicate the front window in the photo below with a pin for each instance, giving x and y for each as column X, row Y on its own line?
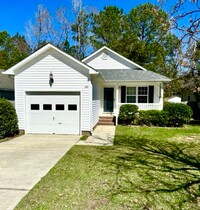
column 136, row 94
column 131, row 95
column 142, row 94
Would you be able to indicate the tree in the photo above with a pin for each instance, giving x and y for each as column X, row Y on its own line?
column 46, row 28
column 185, row 20
column 143, row 36
column 12, row 49
column 108, row 27
column 80, row 31
column 185, row 17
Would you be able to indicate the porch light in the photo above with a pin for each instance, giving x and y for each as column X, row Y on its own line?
column 51, row 80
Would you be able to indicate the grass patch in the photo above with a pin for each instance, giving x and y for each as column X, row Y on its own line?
column 146, row 169
column 84, row 137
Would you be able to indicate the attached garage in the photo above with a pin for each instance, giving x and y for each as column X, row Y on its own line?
column 53, row 93
column 53, row 113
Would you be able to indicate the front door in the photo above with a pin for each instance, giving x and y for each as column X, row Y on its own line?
column 108, row 99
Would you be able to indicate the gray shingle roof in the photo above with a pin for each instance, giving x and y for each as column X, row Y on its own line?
column 6, row 82
column 131, row 75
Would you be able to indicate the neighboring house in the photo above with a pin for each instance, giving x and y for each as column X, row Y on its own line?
column 7, row 86
column 188, row 97
column 174, row 99
column 187, row 92
column 56, row 93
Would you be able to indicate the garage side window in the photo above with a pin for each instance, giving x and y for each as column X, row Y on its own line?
column 72, row 107
column 47, row 106
column 60, row 107
column 35, row 107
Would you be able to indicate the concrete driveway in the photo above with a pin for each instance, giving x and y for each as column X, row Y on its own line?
column 25, row 160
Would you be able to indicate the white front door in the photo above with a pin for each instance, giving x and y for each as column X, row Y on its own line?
column 53, row 113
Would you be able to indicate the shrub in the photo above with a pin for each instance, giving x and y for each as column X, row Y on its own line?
column 8, row 119
column 179, row 114
column 152, row 117
column 127, row 113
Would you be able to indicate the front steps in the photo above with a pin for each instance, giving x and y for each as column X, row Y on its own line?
column 106, row 120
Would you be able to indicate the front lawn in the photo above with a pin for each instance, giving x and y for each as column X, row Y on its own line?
column 147, row 169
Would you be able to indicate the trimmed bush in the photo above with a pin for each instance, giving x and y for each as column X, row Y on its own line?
column 179, row 114
column 127, row 113
column 152, row 117
column 8, row 119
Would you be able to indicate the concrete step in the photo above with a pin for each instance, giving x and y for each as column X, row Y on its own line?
column 106, row 121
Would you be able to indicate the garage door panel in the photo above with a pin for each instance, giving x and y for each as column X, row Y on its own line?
column 57, row 114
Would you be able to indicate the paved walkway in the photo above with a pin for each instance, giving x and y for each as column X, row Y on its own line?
column 25, row 160
column 103, row 135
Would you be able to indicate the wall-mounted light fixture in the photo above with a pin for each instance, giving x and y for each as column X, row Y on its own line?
column 51, row 80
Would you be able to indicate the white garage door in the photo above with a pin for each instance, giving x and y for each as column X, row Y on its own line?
column 53, row 113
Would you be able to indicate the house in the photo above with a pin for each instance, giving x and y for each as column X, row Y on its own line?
column 174, row 99
column 56, row 93
column 187, row 92
column 188, row 97
column 6, row 86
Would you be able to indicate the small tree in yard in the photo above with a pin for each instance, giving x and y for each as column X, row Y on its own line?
column 8, row 119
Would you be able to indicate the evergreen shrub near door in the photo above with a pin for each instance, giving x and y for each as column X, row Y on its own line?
column 8, row 119
column 127, row 113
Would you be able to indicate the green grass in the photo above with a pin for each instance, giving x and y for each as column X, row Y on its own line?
column 84, row 137
column 146, row 169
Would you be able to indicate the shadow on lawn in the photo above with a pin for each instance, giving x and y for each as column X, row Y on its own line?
column 157, row 167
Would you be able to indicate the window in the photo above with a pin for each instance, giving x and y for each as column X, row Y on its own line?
column 131, row 95
column 72, row 107
column 60, row 107
column 47, row 107
column 35, row 107
column 136, row 94
column 142, row 94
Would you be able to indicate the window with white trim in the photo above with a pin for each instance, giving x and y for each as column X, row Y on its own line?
column 137, row 94
column 142, row 94
column 131, row 95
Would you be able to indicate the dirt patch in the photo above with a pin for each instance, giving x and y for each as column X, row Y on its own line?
column 96, row 203
column 189, row 139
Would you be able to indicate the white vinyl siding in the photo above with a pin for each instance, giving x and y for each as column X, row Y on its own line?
column 35, row 77
column 111, row 62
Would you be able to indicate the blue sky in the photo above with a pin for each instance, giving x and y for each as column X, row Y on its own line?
column 14, row 14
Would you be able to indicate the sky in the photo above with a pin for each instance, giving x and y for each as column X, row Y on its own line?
column 15, row 14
